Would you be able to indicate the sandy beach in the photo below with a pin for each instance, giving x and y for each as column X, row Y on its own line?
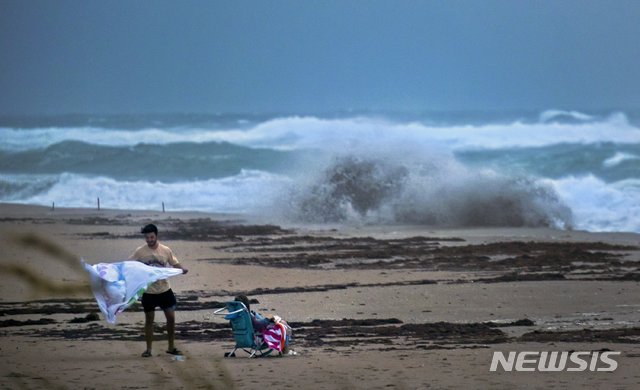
column 372, row 307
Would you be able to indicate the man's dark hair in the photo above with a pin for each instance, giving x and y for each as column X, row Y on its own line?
column 150, row 228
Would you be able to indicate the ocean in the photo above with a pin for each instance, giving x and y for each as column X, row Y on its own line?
column 564, row 169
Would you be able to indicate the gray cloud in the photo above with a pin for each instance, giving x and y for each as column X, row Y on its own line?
column 247, row 56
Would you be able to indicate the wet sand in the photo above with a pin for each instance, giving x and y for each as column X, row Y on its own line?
column 371, row 306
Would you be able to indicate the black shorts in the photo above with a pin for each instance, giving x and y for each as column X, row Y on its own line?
column 166, row 300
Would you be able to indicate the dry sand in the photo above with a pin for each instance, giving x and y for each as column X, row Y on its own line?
column 372, row 307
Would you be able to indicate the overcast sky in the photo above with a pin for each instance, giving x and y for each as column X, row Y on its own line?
column 315, row 56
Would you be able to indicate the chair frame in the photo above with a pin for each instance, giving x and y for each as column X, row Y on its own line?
column 255, row 350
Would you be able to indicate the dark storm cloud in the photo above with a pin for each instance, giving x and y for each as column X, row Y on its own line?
column 203, row 56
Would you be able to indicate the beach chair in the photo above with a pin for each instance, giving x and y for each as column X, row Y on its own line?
column 243, row 334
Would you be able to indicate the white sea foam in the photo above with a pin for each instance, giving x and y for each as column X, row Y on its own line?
column 235, row 194
column 554, row 115
column 619, row 158
column 314, row 132
column 28, row 139
column 600, row 206
column 595, row 205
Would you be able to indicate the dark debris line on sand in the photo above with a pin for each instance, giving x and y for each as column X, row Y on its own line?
column 273, row 246
column 342, row 333
column 427, row 254
column 317, row 333
column 204, row 229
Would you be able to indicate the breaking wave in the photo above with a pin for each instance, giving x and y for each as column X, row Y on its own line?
column 432, row 192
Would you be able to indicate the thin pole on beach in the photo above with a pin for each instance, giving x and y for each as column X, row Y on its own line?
column 98, row 203
column 163, row 207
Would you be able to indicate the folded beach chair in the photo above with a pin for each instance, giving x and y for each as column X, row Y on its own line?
column 243, row 334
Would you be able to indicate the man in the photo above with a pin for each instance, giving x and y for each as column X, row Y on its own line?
column 158, row 293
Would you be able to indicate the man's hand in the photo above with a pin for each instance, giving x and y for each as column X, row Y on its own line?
column 184, row 270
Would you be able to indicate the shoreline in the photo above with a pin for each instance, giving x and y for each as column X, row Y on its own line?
column 8, row 210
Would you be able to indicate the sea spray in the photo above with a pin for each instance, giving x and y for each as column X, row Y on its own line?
column 374, row 190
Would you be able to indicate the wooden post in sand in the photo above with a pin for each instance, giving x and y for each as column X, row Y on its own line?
column 163, row 207
column 98, row 203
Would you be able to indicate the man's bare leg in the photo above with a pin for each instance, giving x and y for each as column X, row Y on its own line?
column 148, row 329
column 171, row 327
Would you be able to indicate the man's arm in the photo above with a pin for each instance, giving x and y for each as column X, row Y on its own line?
column 135, row 255
column 178, row 265
column 173, row 261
